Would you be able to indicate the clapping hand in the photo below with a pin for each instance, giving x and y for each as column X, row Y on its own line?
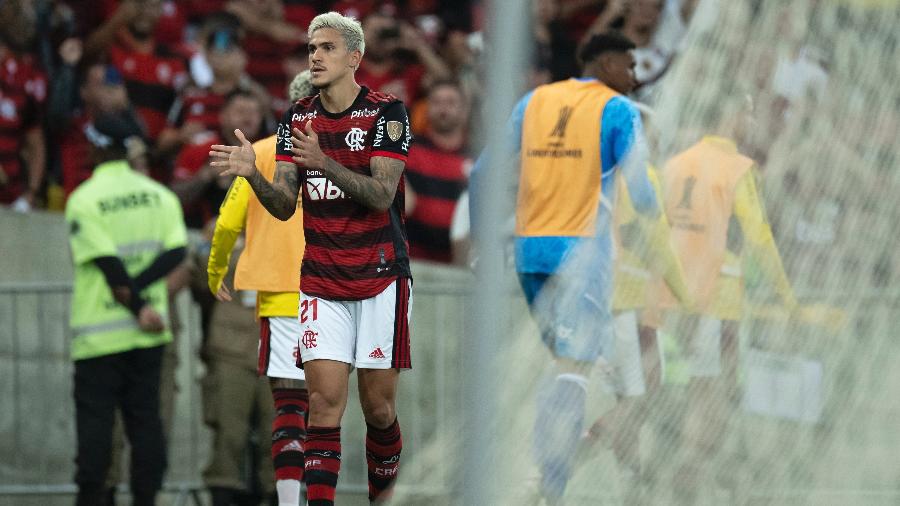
column 234, row 160
column 306, row 148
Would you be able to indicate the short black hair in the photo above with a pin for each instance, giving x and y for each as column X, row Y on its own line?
column 600, row 43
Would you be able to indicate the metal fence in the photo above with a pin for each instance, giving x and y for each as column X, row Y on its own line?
column 37, row 447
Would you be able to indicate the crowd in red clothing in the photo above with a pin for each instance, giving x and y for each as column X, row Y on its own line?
column 193, row 70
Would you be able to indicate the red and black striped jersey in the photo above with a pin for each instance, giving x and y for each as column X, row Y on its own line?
column 352, row 252
column 23, row 90
column 151, row 80
column 437, row 177
column 200, row 105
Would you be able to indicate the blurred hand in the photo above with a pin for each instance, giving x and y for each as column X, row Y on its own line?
column 189, row 130
column 128, row 10
column 71, row 50
column 149, row 320
column 223, row 294
column 234, row 160
column 411, row 38
column 285, row 32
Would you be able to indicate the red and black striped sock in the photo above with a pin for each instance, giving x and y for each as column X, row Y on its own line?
column 323, row 464
column 289, row 432
column 383, row 448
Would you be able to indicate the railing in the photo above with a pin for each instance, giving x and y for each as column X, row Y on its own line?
column 37, row 420
column 37, row 415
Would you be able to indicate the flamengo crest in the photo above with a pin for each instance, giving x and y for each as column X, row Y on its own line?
column 355, row 139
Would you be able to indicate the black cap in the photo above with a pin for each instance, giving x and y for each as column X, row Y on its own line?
column 113, row 130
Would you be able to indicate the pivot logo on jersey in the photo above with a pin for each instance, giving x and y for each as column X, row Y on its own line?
column 309, row 339
column 304, row 116
column 355, row 139
column 320, row 188
column 364, row 113
column 562, row 122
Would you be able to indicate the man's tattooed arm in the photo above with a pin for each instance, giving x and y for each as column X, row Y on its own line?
column 376, row 191
column 280, row 196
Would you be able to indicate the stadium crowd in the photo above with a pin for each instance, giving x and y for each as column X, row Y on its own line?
column 192, row 71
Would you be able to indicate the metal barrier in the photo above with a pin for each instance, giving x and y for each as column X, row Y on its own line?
column 37, row 421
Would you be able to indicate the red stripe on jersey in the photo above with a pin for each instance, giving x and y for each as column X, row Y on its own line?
column 329, row 288
column 346, row 257
column 283, row 158
column 265, row 334
column 389, row 154
column 202, row 106
column 349, row 226
column 401, row 353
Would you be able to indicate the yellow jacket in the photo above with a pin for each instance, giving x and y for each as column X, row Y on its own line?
column 705, row 186
column 640, row 243
column 270, row 262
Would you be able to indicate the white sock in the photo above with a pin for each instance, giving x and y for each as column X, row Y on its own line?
column 288, row 492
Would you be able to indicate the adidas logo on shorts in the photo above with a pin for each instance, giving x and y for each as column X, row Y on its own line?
column 376, row 353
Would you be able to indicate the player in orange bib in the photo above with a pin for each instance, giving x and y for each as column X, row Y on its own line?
column 717, row 217
column 270, row 265
column 634, row 370
column 572, row 138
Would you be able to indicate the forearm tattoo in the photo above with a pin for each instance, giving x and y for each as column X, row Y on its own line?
column 280, row 196
column 377, row 191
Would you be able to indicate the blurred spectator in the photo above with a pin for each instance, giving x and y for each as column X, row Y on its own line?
column 579, row 14
column 656, row 27
column 151, row 71
column 398, row 59
column 102, row 91
column 170, row 30
column 196, row 111
column 437, row 169
column 461, row 53
column 23, row 89
column 358, row 9
column 555, row 50
column 276, row 31
column 60, row 53
column 198, row 185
